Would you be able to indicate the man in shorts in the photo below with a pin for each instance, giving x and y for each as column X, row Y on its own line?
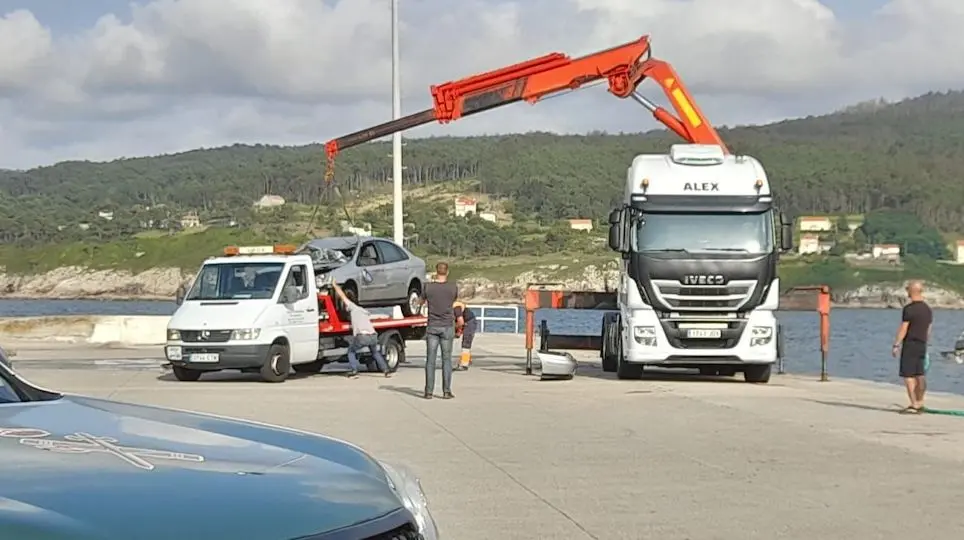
column 911, row 346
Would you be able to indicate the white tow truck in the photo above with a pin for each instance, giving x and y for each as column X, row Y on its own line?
column 697, row 232
column 260, row 309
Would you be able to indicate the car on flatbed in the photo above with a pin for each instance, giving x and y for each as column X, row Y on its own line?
column 373, row 272
column 80, row 468
column 268, row 310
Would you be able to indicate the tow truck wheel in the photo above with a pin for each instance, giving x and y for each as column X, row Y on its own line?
column 757, row 374
column 277, row 365
column 410, row 307
column 392, row 349
column 185, row 374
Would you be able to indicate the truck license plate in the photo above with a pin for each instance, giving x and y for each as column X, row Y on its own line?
column 701, row 333
column 205, row 358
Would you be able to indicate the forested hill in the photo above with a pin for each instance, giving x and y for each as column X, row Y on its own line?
column 908, row 155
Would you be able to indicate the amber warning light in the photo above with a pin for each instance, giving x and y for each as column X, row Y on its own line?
column 280, row 249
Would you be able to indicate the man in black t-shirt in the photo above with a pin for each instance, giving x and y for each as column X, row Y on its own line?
column 911, row 343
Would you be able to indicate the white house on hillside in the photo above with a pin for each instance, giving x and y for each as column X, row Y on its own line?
column 465, row 206
column 816, row 224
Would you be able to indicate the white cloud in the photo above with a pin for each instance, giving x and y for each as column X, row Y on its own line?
column 175, row 74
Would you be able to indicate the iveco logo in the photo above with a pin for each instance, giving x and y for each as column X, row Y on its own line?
column 697, row 279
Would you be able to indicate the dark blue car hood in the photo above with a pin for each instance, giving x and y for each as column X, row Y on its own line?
column 83, row 468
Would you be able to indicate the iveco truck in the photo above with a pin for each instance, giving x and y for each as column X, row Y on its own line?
column 699, row 238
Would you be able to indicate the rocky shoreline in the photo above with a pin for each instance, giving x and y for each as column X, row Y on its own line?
column 72, row 283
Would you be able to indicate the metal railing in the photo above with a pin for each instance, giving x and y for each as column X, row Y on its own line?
column 482, row 313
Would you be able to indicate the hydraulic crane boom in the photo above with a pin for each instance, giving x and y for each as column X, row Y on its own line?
column 624, row 67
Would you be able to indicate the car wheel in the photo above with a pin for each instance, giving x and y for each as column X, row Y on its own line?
column 277, row 365
column 185, row 374
column 410, row 307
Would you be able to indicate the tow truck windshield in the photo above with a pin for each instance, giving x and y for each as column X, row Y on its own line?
column 236, row 281
column 705, row 233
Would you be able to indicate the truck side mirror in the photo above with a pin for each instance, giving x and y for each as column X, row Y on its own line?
column 618, row 230
column 786, row 234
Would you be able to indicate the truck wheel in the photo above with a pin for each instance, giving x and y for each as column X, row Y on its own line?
column 625, row 370
column 392, row 349
column 185, row 374
column 757, row 374
column 277, row 365
column 610, row 337
column 409, row 308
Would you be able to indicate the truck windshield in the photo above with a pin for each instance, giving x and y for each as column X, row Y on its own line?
column 236, row 281
column 705, row 233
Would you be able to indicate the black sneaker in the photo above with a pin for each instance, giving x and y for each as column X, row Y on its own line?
column 448, row 395
column 388, row 374
column 427, row 395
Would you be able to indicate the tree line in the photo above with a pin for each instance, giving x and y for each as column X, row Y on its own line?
column 905, row 156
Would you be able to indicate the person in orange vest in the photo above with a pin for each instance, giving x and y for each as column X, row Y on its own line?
column 467, row 332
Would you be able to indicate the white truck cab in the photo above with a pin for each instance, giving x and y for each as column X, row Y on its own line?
column 253, row 309
column 698, row 235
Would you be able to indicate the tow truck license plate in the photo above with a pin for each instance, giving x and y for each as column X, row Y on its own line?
column 205, row 358
column 702, row 333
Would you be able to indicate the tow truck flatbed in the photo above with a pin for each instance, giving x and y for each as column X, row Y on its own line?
column 330, row 322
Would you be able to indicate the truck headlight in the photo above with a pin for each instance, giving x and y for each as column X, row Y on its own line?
column 760, row 335
column 645, row 335
column 245, row 334
column 173, row 335
column 409, row 490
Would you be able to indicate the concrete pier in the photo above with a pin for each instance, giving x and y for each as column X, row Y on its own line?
column 670, row 457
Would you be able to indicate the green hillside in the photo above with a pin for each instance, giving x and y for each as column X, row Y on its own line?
column 905, row 157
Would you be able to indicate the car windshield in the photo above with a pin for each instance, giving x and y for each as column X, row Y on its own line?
column 705, row 233
column 236, row 281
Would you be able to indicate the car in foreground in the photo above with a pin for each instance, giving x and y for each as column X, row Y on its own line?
column 374, row 272
column 79, row 468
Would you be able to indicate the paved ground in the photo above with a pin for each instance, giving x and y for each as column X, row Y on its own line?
column 674, row 458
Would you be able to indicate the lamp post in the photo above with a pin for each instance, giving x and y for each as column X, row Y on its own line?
column 399, row 231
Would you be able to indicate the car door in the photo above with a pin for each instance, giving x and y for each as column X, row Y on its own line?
column 372, row 280
column 396, row 271
column 301, row 316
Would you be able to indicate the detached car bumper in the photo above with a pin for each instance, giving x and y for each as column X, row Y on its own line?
column 215, row 357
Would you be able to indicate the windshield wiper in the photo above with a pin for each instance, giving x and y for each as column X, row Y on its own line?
column 740, row 250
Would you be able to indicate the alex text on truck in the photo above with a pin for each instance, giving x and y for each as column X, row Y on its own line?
column 698, row 235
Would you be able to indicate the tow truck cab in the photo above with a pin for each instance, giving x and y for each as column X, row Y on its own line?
column 698, row 236
column 244, row 307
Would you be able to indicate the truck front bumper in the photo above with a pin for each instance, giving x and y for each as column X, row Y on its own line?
column 646, row 343
column 214, row 358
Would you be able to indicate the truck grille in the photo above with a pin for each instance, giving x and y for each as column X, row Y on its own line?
column 205, row 336
column 729, row 297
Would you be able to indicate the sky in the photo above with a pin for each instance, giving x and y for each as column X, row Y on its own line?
column 103, row 79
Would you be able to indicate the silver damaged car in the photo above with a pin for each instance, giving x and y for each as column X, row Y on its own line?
column 374, row 272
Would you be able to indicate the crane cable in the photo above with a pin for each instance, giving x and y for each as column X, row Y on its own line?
column 330, row 184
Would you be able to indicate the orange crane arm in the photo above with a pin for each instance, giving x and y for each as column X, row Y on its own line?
column 624, row 67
